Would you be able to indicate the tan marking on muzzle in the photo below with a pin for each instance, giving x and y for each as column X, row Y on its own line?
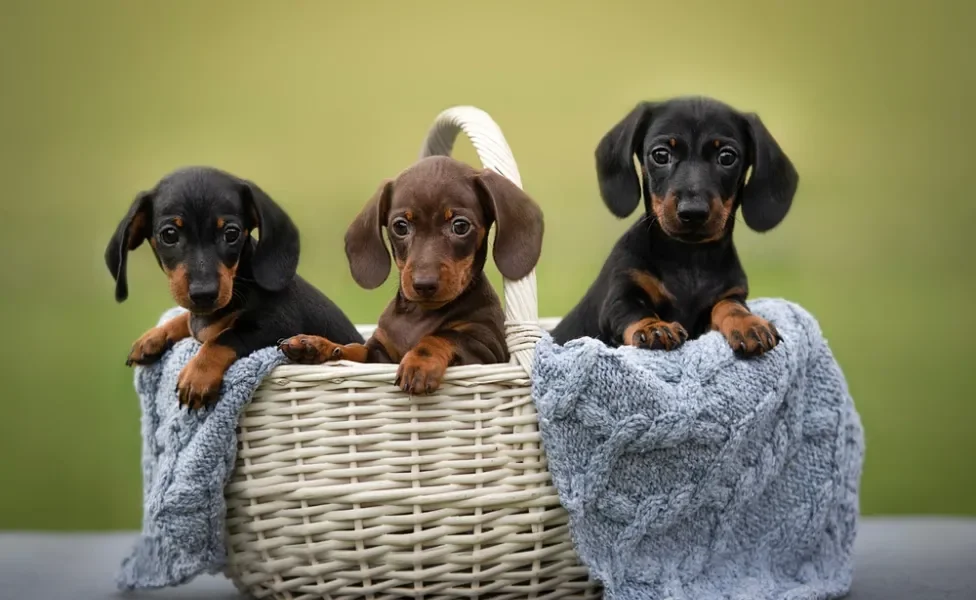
column 226, row 286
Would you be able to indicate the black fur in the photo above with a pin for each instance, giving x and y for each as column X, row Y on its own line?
column 684, row 238
column 242, row 293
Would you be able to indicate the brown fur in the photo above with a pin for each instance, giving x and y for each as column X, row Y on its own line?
column 454, row 277
column 423, row 367
column 719, row 214
column 200, row 380
column 461, row 320
column 666, row 211
column 213, row 328
column 383, row 341
column 137, row 230
column 652, row 286
column 179, row 286
column 312, row 349
column 748, row 334
column 148, row 348
column 227, row 275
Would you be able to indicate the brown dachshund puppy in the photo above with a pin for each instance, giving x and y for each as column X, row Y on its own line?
column 437, row 214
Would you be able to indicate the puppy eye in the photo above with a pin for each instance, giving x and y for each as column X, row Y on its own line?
column 169, row 235
column 727, row 157
column 231, row 234
column 401, row 227
column 460, row 226
column 661, row 156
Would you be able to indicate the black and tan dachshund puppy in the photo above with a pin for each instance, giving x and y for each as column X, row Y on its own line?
column 437, row 214
column 675, row 274
column 242, row 294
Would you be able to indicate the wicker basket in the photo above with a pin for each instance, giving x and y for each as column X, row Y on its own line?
column 347, row 488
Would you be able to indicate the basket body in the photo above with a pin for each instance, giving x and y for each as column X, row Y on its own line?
column 346, row 488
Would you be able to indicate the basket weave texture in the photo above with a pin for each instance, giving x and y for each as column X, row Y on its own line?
column 346, row 488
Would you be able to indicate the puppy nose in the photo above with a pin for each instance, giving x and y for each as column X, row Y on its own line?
column 692, row 213
column 203, row 295
column 425, row 286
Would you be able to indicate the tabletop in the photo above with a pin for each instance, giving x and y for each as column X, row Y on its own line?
column 896, row 559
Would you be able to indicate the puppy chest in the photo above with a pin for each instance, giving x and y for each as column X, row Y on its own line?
column 691, row 295
column 402, row 333
column 205, row 328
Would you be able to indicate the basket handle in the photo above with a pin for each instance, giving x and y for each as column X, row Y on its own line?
column 521, row 297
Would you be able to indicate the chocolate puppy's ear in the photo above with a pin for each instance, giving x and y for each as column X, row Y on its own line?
column 135, row 227
column 768, row 195
column 275, row 259
column 519, row 224
column 368, row 256
column 619, row 183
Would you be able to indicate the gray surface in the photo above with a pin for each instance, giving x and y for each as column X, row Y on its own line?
column 897, row 559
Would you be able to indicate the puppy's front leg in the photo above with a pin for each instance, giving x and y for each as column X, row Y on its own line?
column 422, row 368
column 200, row 380
column 630, row 314
column 315, row 350
column 154, row 343
column 748, row 334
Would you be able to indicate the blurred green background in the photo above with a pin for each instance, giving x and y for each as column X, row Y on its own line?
column 318, row 101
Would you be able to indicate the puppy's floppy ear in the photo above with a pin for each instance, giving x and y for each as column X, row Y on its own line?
column 518, row 220
column 767, row 197
column 369, row 258
column 135, row 227
column 619, row 183
column 275, row 259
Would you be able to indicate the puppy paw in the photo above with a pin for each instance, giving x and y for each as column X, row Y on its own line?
column 655, row 335
column 749, row 335
column 149, row 348
column 200, row 380
column 310, row 349
column 198, row 385
column 420, row 374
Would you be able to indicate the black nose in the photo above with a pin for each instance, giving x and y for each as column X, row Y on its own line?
column 425, row 286
column 203, row 295
column 693, row 213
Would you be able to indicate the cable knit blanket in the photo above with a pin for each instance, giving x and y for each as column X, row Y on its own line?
column 187, row 458
column 694, row 475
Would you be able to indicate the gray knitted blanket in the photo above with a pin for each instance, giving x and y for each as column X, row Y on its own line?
column 694, row 475
column 187, row 457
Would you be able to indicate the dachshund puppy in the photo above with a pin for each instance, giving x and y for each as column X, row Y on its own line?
column 675, row 274
column 242, row 294
column 437, row 214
